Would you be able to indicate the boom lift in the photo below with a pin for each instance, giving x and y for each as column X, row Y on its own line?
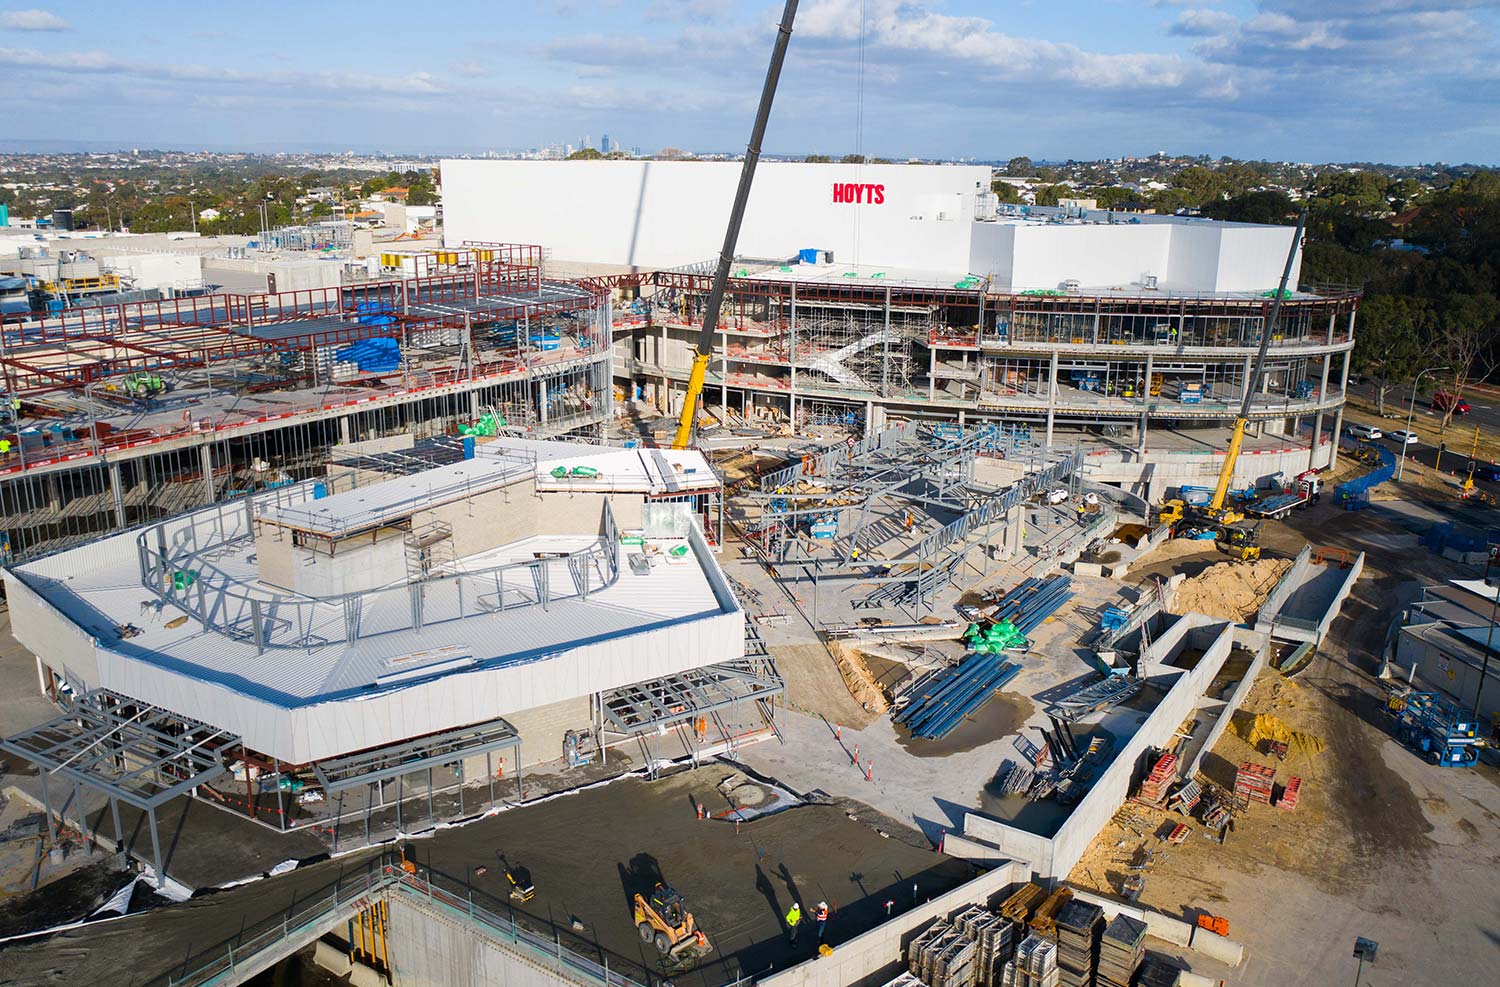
column 705, row 350
column 1215, row 513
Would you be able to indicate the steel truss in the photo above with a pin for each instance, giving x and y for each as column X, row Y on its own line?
column 126, row 750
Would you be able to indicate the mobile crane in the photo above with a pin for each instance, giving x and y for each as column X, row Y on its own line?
column 705, row 351
column 1238, row 541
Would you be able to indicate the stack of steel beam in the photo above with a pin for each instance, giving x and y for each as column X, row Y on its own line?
column 1033, row 601
column 954, row 694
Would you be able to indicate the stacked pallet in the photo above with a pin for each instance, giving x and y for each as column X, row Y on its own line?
column 1154, row 788
column 1254, row 781
column 1158, row 971
column 994, row 935
column 954, row 965
column 919, row 952
column 1035, row 964
column 1185, row 799
column 904, row 980
column 1079, row 927
column 1121, row 950
column 1289, row 794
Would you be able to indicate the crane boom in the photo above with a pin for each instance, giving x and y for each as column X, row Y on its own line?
column 1237, row 437
column 705, row 350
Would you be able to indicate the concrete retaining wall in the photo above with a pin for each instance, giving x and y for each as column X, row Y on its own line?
column 874, row 957
column 1052, row 859
column 429, row 949
column 1227, row 713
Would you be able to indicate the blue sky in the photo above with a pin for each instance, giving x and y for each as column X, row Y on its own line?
column 1305, row 80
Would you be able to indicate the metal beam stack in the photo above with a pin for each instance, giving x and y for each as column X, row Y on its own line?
column 996, row 938
column 953, row 695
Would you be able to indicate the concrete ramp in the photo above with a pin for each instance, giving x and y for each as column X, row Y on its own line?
column 1305, row 601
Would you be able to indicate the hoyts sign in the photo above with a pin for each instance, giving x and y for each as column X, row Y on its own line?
column 855, row 194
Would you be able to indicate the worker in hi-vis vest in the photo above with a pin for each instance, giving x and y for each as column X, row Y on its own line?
column 793, row 919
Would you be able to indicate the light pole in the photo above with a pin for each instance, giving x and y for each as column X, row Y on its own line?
column 1411, row 408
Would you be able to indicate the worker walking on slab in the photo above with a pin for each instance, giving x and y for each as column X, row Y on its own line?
column 822, row 918
column 793, row 919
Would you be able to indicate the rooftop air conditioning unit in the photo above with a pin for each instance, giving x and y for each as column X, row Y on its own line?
column 1070, row 285
column 1148, row 281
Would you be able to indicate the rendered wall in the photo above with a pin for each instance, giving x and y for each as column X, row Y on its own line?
column 429, row 949
column 663, row 213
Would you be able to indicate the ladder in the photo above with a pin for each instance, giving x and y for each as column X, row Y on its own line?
column 429, row 552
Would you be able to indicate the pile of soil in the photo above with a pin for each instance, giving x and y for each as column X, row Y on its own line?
column 858, row 678
column 1253, row 728
column 1230, row 590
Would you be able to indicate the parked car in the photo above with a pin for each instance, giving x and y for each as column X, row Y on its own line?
column 1442, row 400
column 1403, row 437
column 1366, row 432
column 1486, row 471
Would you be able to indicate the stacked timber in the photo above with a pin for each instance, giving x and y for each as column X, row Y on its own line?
column 1079, row 927
column 1121, row 950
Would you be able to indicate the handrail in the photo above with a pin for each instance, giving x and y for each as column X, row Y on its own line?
column 270, row 619
column 222, row 963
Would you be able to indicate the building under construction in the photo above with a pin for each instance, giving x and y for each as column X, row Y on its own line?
column 389, row 646
column 120, row 415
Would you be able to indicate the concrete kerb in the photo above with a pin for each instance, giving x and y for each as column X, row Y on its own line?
column 1171, row 930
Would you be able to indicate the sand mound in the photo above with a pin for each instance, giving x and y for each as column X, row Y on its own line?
column 858, row 678
column 1253, row 728
column 1230, row 590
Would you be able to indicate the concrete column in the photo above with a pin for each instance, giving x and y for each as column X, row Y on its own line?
column 869, row 418
column 1140, row 446
column 1312, row 452
column 1050, row 413
column 206, row 452
column 1331, row 317
column 931, row 371
column 1052, row 379
column 1015, row 530
column 344, row 430
column 791, row 357
column 1338, row 416
column 117, row 493
column 541, row 400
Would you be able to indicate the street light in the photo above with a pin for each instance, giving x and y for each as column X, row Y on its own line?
column 1411, row 408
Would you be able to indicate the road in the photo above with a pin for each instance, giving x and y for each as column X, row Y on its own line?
column 1485, row 413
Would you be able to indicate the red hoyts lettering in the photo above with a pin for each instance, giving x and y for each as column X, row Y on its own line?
column 857, row 194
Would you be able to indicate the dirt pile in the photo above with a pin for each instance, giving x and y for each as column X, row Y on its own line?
column 858, row 678
column 1253, row 728
column 1230, row 590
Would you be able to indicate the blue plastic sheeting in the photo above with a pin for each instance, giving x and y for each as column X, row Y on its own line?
column 372, row 356
column 1355, row 493
column 1459, row 538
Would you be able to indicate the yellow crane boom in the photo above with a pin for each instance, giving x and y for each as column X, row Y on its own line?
column 1237, row 435
column 705, row 351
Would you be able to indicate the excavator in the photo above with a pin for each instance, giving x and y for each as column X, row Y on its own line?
column 1239, row 540
column 705, row 350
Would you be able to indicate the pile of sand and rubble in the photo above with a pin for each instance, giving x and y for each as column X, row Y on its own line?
column 1230, row 590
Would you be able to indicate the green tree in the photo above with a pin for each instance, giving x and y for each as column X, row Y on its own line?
column 817, row 159
column 582, row 154
column 852, row 159
column 1268, row 206
column 1019, row 167
column 1393, row 341
column 1006, row 192
column 1468, row 330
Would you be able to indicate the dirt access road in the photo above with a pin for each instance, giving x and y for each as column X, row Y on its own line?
column 1381, row 845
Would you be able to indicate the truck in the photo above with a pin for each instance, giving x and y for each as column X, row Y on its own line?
column 1306, row 490
column 1443, row 400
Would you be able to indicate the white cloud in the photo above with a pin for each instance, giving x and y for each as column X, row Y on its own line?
column 1203, row 23
column 32, row 20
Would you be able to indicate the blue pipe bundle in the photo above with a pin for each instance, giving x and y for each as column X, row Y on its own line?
column 1033, row 601
column 962, row 690
column 372, row 356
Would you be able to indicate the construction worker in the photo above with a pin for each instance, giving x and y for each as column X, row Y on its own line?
column 793, row 919
column 822, row 918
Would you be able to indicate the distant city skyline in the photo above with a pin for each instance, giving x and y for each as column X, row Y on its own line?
column 1392, row 81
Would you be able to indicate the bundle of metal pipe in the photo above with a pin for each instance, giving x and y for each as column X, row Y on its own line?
column 1033, row 601
column 950, row 697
